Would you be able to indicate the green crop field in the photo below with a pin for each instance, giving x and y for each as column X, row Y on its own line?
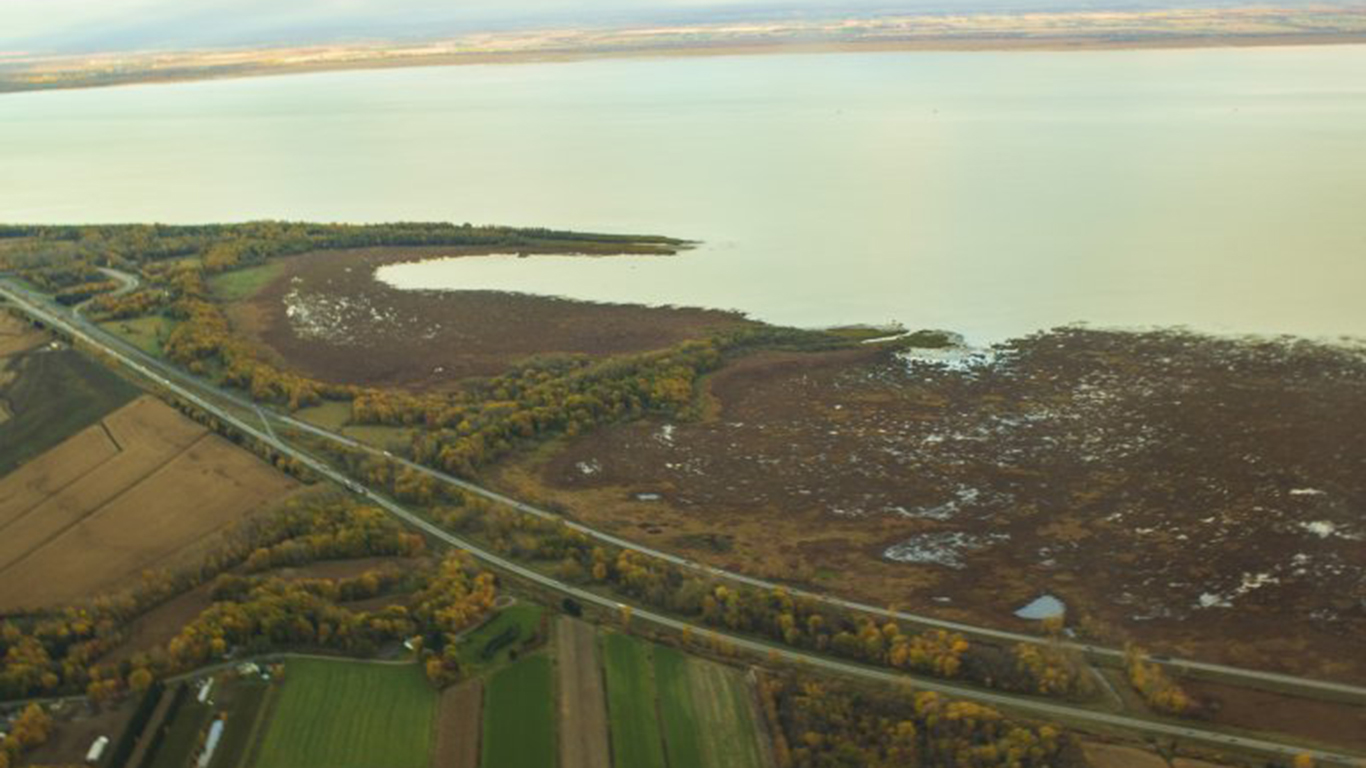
column 636, row 737
column 340, row 714
column 707, row 713
column 683, row 734
column 519, row 716
column 56, row 394
column 493, row 642
column 242, row 284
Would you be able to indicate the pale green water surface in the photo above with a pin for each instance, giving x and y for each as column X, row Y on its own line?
column 992, row 193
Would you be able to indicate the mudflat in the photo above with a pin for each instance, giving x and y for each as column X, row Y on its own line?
column 327, row 317
column 1189, row 492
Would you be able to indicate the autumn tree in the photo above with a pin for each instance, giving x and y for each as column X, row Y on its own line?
column 1158, row 690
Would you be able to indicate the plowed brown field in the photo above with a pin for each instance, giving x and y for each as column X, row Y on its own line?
column 459, row 725
column 17, row 335
column 125, row 495
column 583, row 702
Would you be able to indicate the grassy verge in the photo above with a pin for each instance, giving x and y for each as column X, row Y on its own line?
column 494, row 642
column 330, row 415
column 336, row 417
column 519, row 716
column 146, row 333
column 240, row 284
column 56, row 394
column 350, row 715
column 636, row 737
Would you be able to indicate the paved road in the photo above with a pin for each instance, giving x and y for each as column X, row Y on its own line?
column 165, row 372
column 1305, row 685
column 129, row 283
column 77, row 329
column 1095, row 652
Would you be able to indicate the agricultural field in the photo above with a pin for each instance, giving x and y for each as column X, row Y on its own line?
column 708, row 717
column 326, row 317
column 344, row 714
column 669, row 708
column 17, row 335
column 1192, row 493
column 519, row 715
column 47, row 394
column 141, row 489
column 459, row 724
column 583, row 700
column 632, row 711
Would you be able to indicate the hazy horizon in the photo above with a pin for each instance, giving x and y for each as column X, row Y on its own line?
column 82, row 26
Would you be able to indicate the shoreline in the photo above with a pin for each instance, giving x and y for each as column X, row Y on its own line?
column 97, row 77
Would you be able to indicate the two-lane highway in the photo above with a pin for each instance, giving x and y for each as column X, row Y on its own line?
column 1254, row 678
column 77, row 330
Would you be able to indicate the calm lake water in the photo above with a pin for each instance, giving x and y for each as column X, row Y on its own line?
column 990, row 193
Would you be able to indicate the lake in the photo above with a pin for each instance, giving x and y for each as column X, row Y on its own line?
column 989, row 193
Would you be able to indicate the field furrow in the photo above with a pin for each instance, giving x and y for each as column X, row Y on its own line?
column 342, row 714
column 459, row 718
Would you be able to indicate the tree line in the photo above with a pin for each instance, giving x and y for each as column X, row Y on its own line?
column 796, row 621
column 59, row 651
column 225, row 246
column 832, row 725
column 28, row 731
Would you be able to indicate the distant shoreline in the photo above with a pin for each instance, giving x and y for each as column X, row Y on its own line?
column 188, row 67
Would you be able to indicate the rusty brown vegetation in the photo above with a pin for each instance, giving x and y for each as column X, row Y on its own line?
column 1190, row 492
column 380, row 336
column 1326, row 722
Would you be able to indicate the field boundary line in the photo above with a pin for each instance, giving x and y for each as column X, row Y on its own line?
column 287, row 655
column 768, row 753
column 118, row 449
column 203, row 537
column 95, row 512
column 110, row 433
column 256, row 736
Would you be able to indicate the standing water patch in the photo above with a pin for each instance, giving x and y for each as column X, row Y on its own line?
column 1045, row 607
